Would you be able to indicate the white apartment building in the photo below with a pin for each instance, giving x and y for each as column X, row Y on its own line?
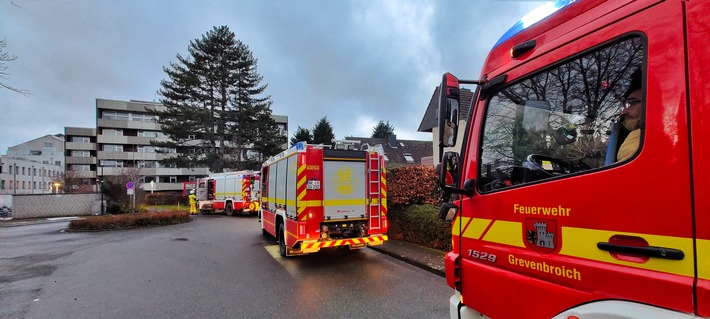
column 121, row 143
column 33, row 167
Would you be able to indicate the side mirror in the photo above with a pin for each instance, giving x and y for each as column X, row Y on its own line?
column 448, row 169
column 448, row 112
column 448, row 211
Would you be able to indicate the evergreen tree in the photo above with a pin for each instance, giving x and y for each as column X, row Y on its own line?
column 382, row 130
column 213, row 109
column 301, row 135
column 323, row 132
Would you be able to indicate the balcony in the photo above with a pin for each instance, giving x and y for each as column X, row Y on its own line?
column 80, row 146
column 80, row 160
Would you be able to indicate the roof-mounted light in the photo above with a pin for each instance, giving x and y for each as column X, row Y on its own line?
column 534, row 16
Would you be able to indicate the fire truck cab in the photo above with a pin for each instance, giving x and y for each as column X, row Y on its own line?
column 549, row 220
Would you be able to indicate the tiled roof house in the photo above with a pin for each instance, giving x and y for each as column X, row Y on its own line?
column 398, row 152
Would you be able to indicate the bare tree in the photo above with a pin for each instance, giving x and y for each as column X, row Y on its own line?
column 4, row 74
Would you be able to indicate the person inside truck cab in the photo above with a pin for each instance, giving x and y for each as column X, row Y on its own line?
column 631, row 118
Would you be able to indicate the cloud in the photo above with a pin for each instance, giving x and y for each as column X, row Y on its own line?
column 356, row 62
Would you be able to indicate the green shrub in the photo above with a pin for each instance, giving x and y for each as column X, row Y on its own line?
column 420, row 224
column 127, row 221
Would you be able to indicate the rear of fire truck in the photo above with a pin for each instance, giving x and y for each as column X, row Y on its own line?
column 315, row 197
column 549, row 220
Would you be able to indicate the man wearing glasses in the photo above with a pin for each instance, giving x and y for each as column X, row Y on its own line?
column 631, row 118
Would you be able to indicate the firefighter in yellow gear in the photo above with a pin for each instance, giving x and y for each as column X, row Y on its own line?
column 193, row 203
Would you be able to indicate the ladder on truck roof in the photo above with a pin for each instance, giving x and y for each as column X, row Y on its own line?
column 374, row 192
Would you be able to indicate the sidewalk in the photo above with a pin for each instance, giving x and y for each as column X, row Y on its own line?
column 429, row 259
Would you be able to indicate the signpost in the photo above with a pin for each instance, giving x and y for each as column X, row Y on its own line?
column 130, row 191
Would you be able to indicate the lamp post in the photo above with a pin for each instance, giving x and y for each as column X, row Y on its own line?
column 32, row 172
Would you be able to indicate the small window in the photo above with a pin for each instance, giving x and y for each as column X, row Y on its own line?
column 173, row 179
column 559, row 121
column 408, row 157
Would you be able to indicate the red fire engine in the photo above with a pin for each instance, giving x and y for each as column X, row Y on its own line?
column 229, row 192
column 549, row 220
column 315, row 197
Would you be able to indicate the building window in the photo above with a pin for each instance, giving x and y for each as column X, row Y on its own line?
column 23, row 172
column 2, row 184
column 112, row 148
column 34, row 185
column 80, row 139
column 191, row 178
column 58, row 163
column 112, row 132
column 80, row 168
column 109, row 115
column 80, row 153
column 173, row 179
column 23, row 184
column 408, row 157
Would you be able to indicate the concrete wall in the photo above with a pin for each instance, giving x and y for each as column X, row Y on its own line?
column 55, row 205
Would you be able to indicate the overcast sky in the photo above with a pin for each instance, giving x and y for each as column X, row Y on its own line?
column 356, row 62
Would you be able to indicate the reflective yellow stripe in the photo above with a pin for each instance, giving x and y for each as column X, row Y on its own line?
column 280, row 201
column 301, row 169
column 345, row 202
column 264, row 199
column 228, row 194
column 456, row 227
column 290, row 202
column 301, row 182
column 507, row 233
column 703, row 246
column 310, row 203
column 582, row 243
column 476, row 228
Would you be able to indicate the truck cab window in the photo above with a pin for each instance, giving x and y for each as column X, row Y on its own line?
column 558, row 121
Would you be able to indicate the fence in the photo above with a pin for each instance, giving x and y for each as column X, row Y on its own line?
column 55, row 205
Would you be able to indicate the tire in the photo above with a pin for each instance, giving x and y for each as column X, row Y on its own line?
column 229, row 210
column 282, row 240
column 204, row 212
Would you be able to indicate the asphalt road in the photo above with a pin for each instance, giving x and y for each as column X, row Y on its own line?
column 214, row 267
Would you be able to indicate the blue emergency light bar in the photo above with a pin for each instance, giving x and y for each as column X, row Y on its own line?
column 535, row 16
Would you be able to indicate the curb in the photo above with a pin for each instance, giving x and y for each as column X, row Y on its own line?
column 409, row 261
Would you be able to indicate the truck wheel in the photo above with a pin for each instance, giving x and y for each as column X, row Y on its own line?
column 204, row 212
column 229, row 210
column 282, row 240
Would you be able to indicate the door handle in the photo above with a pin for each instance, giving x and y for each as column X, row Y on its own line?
column 650, row 251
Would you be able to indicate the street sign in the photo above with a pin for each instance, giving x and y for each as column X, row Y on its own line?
column 129, row 191
column 129, row 185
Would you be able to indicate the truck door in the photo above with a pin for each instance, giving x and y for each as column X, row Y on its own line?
column 699, row 81
column 553, row 226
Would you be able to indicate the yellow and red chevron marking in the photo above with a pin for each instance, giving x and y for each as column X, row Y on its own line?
column 244, row 188
column 383, row 190
column 301, row 192
column 310, row 247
